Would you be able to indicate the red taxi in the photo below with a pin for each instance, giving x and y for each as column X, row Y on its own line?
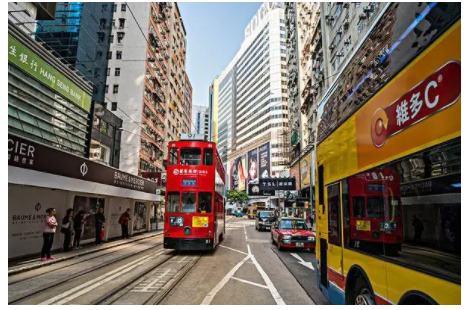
column 292, row 232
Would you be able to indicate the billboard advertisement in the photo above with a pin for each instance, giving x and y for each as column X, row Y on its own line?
column 264, row 159
column 252, row 173
column 306, row 164
column 238, row 174
column 294, row 172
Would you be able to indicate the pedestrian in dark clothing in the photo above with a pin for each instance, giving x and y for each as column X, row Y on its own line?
column 67, row 229
column 418, row 229
column 78, row 222
column 123, row 221
column 100, row 221
column 48, row 235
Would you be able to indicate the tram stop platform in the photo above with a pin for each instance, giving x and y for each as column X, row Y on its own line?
column 30, row 263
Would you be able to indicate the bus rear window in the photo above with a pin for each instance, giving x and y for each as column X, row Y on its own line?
column 173, row 202
column 208, row 157
column 188, row 202
column 190, row 156
column 204, row 202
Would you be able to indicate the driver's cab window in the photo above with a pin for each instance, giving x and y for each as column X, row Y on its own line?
column 188, row 202
column 190, row 156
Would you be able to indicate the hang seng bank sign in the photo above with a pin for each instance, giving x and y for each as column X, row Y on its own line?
column 34, row 156
column 35, row 66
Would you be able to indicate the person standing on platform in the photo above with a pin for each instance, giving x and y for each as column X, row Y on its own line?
column 48, row 235
column 100, row 222
column 78, row 222
column 123, row 221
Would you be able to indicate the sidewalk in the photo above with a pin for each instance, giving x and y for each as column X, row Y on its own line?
column 23, row 265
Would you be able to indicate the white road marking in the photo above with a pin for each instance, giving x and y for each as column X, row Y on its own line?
column 250, row 282
column 226, row 247
column 151, row 285
column 271, row 286
column 209, row 298
column 90, row 285
column 303, row 262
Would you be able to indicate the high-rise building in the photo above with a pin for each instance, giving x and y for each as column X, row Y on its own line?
column 253, row 92
column 201, row 120
column 213, row 108
column 79, row 35
column 147, row 82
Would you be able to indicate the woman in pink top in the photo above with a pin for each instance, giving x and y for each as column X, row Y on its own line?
column 49, row 232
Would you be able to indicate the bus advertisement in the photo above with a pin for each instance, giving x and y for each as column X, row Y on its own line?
column 388, row 166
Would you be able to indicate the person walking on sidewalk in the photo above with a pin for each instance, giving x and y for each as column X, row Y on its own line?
column 78, row 222
column 67, row 229
column 123, row 221
column 48, row 235
column 100, row 221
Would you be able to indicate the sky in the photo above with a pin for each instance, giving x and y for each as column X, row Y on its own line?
column 215, row 32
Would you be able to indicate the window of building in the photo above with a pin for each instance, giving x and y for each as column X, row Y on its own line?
column 124, row 8
column 116, row 88
column 114, row 106
column 100, row 37
column 114, row 7
column 108, row 71
column 109, row 55
column 111, row 38
column 113, row 23
column 121, row 22
column 107, row 89
column 208, row 157
column 204, row 202
column 118, row 55
column 98, row 54
column 188, row 202
column 117, row 71
column 173, row 202
column 103, row 23
column 120, row 36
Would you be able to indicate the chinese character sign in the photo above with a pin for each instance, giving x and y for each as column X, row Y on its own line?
column 252, row 173
column 264, row 158
column 437, row 92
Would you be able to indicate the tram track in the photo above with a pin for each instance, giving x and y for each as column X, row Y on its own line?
column 88, row 257
column 68, row 278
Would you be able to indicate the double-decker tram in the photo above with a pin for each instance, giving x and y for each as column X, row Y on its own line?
column 194, row 217
column 388, row 163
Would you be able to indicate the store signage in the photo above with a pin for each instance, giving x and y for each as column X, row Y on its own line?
column 35, row 66
column 27, row 154
column 272, row 184
column 157, row 177
column 437, row 92
column 261, row 13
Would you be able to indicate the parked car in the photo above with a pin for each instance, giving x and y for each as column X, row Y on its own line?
column 291, row 232
column 264, row 220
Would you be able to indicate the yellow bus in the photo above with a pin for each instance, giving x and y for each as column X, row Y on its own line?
column 388, row 164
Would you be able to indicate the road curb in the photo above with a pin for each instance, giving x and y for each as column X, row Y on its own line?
column 51, row 262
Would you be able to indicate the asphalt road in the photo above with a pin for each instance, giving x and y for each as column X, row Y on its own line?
column 244, row 269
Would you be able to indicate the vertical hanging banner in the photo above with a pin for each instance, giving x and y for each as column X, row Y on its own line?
column 252, row 158
column 234, row 183
column 264, row 158
column 241, row 173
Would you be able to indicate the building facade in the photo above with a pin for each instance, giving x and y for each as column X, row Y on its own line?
column 49, row 128
column 201, row 120
column 253, row 93
column 147, row 82
column 213, row 110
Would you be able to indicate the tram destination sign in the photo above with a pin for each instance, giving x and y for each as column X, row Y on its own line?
column 31, row 155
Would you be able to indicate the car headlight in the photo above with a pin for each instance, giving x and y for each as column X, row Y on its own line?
column 311, row 238
column 286, row 237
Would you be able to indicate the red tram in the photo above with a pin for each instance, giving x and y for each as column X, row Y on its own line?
column 375, row 209
column 194, row 217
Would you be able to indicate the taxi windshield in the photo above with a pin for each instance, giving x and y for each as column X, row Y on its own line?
column 292, row 224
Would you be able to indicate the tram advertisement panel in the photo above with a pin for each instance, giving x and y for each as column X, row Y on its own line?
column 264, row 158
column 252, row 158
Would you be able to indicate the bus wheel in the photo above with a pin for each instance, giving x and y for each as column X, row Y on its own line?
column 362, row 293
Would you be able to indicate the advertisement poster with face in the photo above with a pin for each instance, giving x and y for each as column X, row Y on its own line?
column 139, row 216
column 264, row 158
column 252, row 158
column 90, row 207
column 305, row 170
column 234, row 180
